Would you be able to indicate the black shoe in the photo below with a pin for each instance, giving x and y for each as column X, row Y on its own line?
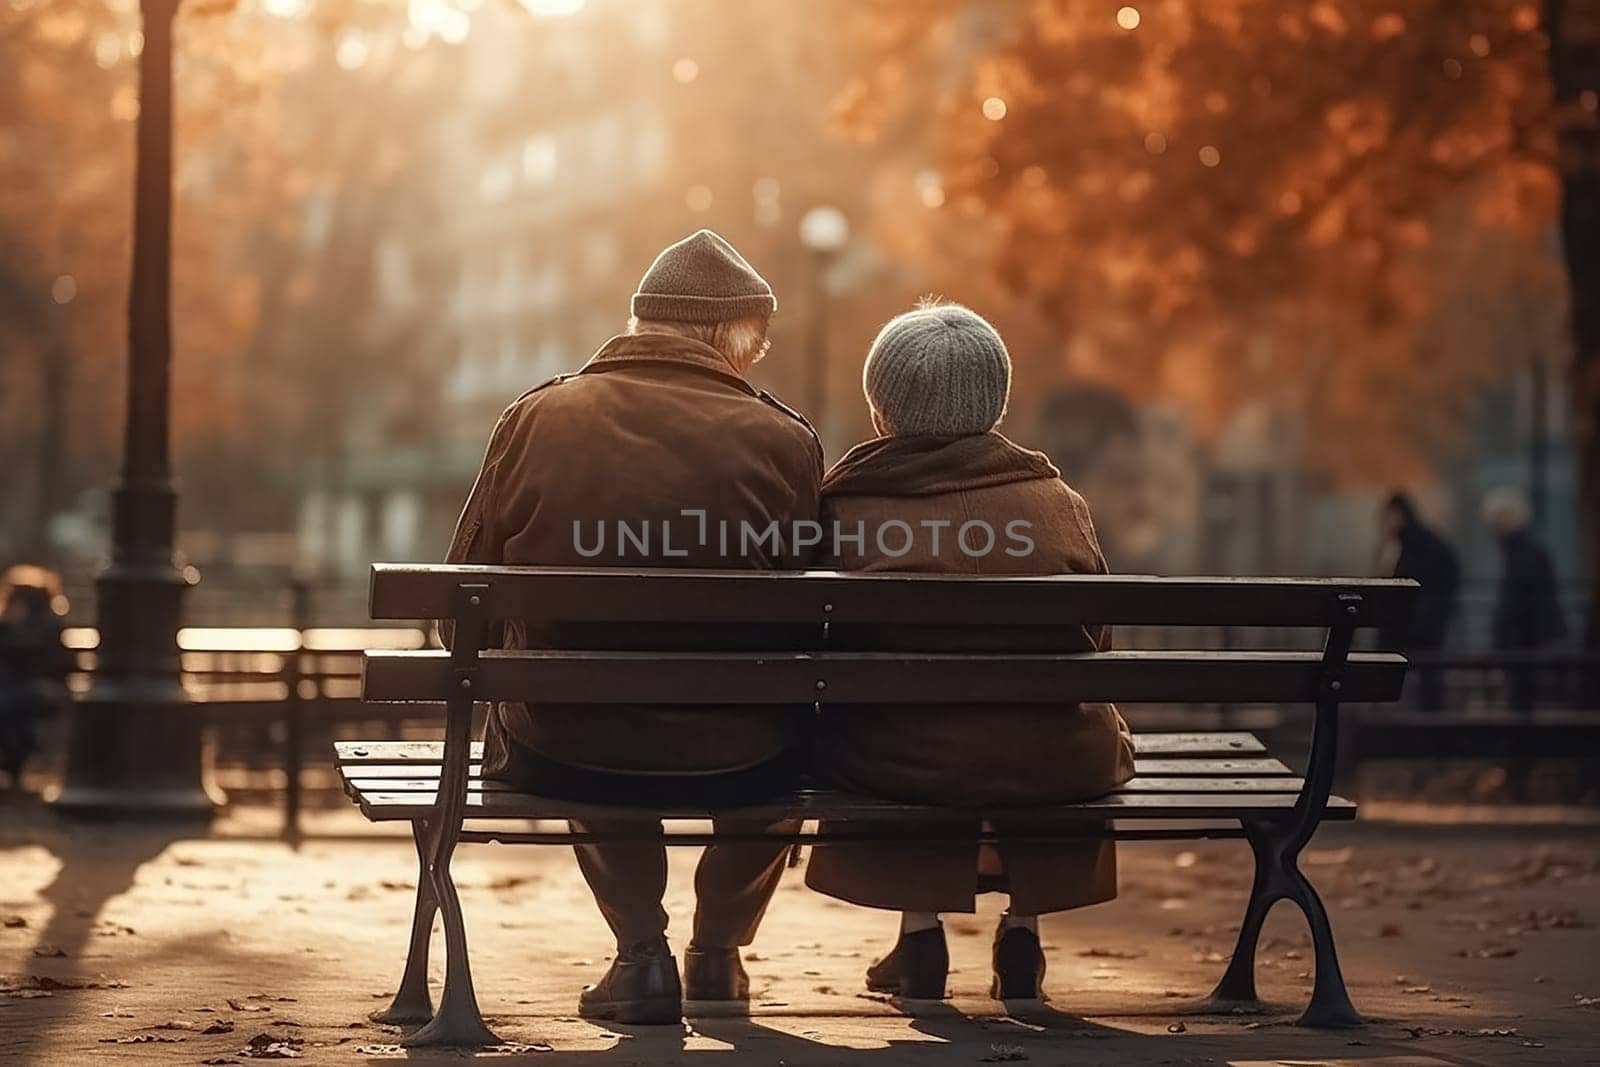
column 1018, row 965
column 641, row 986
column 915, row 968
column 715, row 974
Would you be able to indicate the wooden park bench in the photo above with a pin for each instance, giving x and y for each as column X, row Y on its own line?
column 1186, row 785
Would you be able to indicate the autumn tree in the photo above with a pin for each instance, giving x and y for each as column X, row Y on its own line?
column 1335, row 208
column 299, row 143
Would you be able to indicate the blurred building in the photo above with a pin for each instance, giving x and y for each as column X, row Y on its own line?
column 583, row 145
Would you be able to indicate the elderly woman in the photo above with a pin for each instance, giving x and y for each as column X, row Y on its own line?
column 937, row 380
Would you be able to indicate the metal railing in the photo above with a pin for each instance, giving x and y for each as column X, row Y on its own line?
column 263, row 687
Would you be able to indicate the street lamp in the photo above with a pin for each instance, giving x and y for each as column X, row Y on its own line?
column 824, row 231
column 134, row 748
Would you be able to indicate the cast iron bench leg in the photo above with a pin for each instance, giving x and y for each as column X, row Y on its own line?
column 412, row 1002
column 1278, row 878
column 457, row 1023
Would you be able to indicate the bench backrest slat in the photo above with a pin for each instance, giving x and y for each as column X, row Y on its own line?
column 617, row 595
column 571, row 677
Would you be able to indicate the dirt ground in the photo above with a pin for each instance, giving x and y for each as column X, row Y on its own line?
column 1463, row 944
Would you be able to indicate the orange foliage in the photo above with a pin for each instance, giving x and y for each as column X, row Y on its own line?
column 1314, row 181
column 68, row 92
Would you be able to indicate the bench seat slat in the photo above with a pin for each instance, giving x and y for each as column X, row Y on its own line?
column 1142, row 766
column 488, row 805
column 1144, row 744
column 881, row 678
column 1274, row 784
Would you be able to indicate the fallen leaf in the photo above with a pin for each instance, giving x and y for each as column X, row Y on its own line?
column 271, row 1047
column 1488, row 952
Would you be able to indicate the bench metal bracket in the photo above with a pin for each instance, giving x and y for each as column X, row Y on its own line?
column 457, row 1022
column 1277, row 845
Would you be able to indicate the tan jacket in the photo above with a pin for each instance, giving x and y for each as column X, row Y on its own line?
column 653, row 426
column 945, row 754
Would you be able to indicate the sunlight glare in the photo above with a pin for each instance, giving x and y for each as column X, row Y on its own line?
column 286, row 9
column 436, row 17
column 552, row 8
column 352, row 50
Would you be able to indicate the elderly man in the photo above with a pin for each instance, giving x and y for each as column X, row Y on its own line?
column 643, row 458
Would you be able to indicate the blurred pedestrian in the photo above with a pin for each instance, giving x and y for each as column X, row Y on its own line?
column 1527, row 612
column 1421, row 554
column 33, row 661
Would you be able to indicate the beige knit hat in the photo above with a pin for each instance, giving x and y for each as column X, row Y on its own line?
column 940, row 371
column 702, row 278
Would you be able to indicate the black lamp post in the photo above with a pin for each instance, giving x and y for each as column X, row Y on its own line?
column 134, row 748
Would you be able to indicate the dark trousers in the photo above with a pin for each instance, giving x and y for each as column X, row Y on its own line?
column 733, row 883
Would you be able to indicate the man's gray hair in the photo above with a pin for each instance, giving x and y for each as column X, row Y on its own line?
column 741, row 341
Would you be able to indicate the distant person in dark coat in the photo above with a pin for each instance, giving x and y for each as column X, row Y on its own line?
column 33, row 662
column 1527, row 612
column 1424, row 556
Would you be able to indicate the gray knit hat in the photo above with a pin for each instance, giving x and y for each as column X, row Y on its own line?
column 702, row 278
column 940, row 370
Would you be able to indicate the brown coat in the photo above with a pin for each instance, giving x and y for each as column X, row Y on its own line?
column 652, row 426
column 992, row 756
